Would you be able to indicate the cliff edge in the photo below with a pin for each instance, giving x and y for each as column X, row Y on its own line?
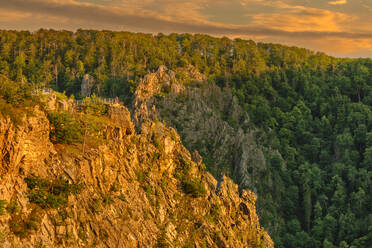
column 115, row 187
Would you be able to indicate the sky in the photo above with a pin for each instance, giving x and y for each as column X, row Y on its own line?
column 340, row 28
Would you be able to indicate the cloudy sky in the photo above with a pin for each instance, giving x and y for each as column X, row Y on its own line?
column 337, row 27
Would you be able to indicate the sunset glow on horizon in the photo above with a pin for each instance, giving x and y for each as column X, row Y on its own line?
column 337, row 27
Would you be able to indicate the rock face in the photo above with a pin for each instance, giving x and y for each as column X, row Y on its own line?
column 133, row 189
column 86, row 85
column 150, row 85
column 55, row 103
column 23, row 146
column 208, row 119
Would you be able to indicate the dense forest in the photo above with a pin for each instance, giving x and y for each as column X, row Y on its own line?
column 314, row 109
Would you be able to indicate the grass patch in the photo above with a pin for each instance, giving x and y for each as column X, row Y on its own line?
column 95, row 205
column 50, row 194
column 157, row 143
column 107, row 200
column 23, row 226
column 94, row 105
column 12, row 207
column 162, row 241
column 183, row 169
column 193, row 188
column 141, row 176
column 2, row 207
column 7, row 110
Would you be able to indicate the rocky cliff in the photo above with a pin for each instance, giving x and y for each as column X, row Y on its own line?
column 129, row 188
column 208, row 119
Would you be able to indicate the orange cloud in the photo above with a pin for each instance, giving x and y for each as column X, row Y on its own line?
column 299, row 18
column 6, row 16
column 344, row 47
column 338, row 2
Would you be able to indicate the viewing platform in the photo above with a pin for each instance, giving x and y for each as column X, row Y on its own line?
column 79, row 102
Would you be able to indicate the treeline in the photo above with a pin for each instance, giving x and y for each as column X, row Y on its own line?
column 118, row 59
column 314, row 109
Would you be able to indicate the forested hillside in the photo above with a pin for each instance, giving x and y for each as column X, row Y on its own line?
column 315, row 110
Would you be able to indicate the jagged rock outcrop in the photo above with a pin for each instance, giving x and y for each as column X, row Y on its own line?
column 131, row 189
column 55, row 101
column 209, row 119
column 153, row 83
column 86, row 85
column 23, row 145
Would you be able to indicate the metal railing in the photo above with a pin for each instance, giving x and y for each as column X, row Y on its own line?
column 42, row 90
column 46, row 90
column 98, row 100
